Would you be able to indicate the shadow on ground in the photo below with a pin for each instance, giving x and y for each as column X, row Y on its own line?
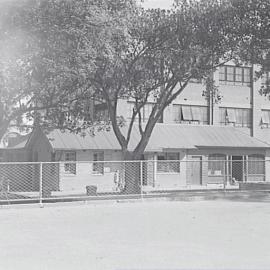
column 245, row 196
column 206, row 195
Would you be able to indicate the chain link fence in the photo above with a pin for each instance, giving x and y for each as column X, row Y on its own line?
column 40, row 182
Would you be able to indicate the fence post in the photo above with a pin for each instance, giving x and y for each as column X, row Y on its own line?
column 225, row 182
column 40, row 184
column 141, row 177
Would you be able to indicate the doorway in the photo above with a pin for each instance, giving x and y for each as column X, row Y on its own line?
column 237, row 168
column 196, row 170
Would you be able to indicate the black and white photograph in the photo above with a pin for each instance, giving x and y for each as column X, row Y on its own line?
column 134, row 134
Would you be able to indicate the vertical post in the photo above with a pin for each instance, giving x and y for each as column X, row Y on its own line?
column 243, row 169
column 230, row 166
column 155, row 170
column 141, row 178
column 40, row 185
column 246, row 168
column 252, row 96
column 227, row 171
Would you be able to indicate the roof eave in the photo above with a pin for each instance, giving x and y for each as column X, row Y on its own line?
column 236, row 147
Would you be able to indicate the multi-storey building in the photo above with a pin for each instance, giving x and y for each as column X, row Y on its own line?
column 241, row 105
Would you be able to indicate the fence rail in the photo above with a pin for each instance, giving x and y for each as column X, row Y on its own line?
column 40, row 182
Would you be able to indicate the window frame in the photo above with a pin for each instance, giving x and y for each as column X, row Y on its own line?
column 145, row 111
column 179, row 116
column 250, row 164
column 265, row 80
column 265, row 119
column 214, row 161
column 101, row 112
column 98, row 163
column 186, row 113
column 70, row 167
column 168, row 165
column 233, row 77
column 231, row 116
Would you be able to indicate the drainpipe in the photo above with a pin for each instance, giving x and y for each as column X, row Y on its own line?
column 252, row 98
column 210, row 102
column 252, row 116
column 211, row 97
column 212, row 107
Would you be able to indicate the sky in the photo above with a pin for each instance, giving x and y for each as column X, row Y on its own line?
column 163, row 4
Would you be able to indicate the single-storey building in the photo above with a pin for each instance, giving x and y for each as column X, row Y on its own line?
column 176, row 156
column 19, row 162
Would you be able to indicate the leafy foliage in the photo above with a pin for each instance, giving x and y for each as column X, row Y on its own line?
column 75, row 55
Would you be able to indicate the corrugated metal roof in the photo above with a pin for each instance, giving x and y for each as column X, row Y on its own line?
column 164, row 136
column 19, row 145
column 67, row 140
column 19, row 142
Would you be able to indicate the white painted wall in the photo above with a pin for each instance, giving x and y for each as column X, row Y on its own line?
column 84, row 172
column 171, row 180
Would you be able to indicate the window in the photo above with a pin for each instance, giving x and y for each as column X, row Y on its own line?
column 187, row 113
column 235, row 75
column 265, row 120
column 238, row 74
column 196, row 113
column 256, row 165
column 247, row 75
column 71, row 166
column 216, row 165
column 101, row 112
column 229, row 74
column 266, row 78
column 222, row 72
column 231, row 115
column 166, row 162
column 98, row 164
column 235, row 116
column 88, row 108
column 190, row 114
column 145, row 111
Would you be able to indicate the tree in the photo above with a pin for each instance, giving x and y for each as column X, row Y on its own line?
column 255, row 49
column 127, row 52
column 47, row 47
column 156, row 59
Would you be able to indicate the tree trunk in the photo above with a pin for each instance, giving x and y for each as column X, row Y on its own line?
column 132, row 174
column 133, row 168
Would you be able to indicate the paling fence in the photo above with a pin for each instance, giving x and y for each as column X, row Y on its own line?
column 40, row 182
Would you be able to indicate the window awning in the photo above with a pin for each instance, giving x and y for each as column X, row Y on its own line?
column 231, row 115
column 265, row 117
column 186, row 112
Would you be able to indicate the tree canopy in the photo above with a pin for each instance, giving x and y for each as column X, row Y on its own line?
column 47, row 50
column 69, row 56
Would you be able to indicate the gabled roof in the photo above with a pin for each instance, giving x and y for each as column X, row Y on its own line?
column 164, row 136
column 27, row 141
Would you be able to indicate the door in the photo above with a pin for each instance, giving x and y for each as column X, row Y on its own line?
column 195, row 170
column 237, row 168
